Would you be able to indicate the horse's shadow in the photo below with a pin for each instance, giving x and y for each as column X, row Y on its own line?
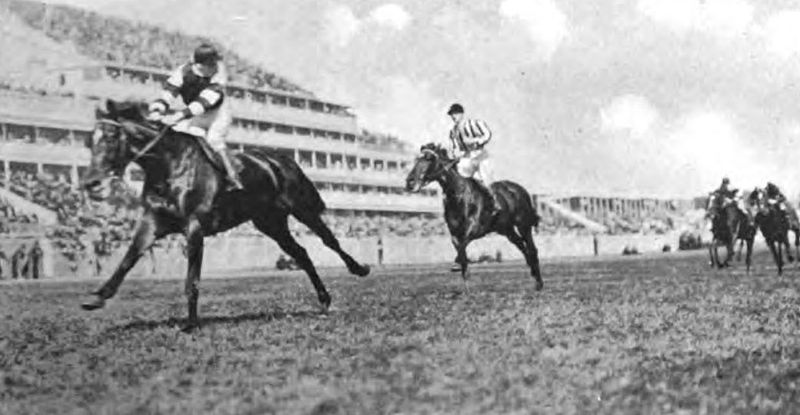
column 146, row 325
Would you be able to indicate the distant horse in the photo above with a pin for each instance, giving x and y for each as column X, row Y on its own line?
column 728, row 224
column 185, row 192
column 774, row 226
column 468, row 208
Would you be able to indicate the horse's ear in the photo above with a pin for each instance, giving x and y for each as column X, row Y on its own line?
column 111, row 106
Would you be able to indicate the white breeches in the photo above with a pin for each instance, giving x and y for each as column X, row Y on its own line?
column 213, row 125
column 476, row 161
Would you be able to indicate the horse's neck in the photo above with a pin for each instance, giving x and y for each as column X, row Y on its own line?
column 167, row 159
column 453, row 185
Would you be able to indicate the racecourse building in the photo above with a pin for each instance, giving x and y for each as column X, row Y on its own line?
column 356, row 171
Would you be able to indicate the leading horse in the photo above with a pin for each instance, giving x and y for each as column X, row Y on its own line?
column 185, row 192
column 728, row 223
column 468, row 207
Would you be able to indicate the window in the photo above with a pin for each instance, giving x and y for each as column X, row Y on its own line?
column 365, row 164
column 334, row 135
column 284, row 129
column 279, row 100
column 297, row 103
column 322, row 160
column 316, row 106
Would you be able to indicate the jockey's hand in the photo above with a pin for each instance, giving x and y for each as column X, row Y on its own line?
column 173, row 118
column 155, row 116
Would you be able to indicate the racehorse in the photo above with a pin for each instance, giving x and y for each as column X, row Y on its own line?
column 774, row 226
column 728, row 224
column 185, row 192
column 468, row 208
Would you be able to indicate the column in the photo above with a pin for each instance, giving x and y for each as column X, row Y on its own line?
column 4, row 131
column 74, row 179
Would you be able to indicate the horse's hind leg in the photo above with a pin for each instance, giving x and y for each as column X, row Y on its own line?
column 146, row 233
column 277, row 228
column 315, row 223
column 524, row 242
column 739, row 252
column 748, row 258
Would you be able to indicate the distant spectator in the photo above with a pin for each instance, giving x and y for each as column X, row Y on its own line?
column 18, row 263
column 35, row 260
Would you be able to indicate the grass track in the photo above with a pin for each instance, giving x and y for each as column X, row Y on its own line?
column 645, row 335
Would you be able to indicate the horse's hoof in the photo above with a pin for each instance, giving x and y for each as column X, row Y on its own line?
column 97, row 303
column 539, row 286
column 189, row 327
column 362, row 270
column 325, row 301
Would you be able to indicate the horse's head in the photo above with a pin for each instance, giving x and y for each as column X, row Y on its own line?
column 430, row 163
column 112, row 145
column 758, row 201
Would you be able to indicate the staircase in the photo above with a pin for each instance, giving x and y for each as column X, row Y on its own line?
column 45, row 217
column 573, row 216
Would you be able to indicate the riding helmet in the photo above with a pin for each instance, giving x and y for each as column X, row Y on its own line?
column 206, row 54
column 455, row 109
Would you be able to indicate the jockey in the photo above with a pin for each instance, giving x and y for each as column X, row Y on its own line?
column 200, row 84
column 775, row 196
column 469, row 138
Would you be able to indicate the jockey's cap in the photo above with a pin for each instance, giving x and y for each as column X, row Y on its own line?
column 206, row 54
column 726, row 180
column 455, row 109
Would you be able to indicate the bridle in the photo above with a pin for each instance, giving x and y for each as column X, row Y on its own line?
column 122, row 139
column 444, row 166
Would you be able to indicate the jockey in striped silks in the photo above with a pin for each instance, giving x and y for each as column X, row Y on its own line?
column 469, row 138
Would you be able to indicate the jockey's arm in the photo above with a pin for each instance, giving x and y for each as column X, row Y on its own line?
column 170, row 93
column 486, row 134
column 208, row 98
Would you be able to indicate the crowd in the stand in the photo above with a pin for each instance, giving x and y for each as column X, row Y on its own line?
column 113, row 39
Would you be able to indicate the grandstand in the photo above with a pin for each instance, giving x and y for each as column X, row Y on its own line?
column 70, row 59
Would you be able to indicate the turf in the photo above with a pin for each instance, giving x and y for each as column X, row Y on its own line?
column 662, row 334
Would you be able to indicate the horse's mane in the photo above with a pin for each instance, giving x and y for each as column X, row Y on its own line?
column 437, row 149
column 128, row 110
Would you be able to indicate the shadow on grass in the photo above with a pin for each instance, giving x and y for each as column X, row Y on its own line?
column 144, row 325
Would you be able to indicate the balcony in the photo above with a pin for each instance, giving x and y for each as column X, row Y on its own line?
column 300, row 117
column 381, row 202
column 44, row 153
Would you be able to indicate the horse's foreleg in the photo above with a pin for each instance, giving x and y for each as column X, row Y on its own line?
column 785, row 241
column 730, row 249
column 315, row 223
column 460, row 244
column 194, row 254
column 748, row 258
column 739, row 251
column 143, row 238
column 711, row 261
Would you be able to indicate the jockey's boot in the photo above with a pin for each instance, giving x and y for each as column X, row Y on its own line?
column 233, row 177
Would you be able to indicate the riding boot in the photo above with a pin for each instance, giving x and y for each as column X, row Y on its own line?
column 233, row 177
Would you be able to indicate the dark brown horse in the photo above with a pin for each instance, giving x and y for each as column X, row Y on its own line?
column 185, row 192
column 468, row 207
column 728, row 223
column 774, row 225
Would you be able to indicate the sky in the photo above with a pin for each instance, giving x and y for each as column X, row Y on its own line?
column 607, row 97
